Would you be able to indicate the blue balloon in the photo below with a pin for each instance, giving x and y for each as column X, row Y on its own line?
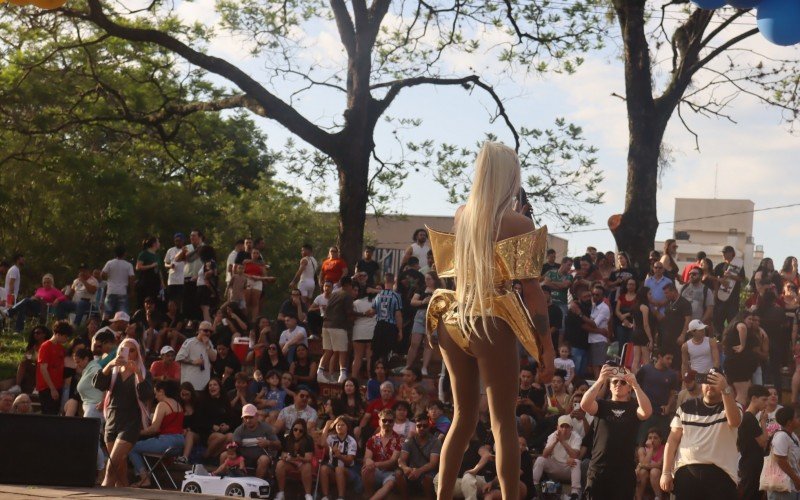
column 744, row 4
column 709, row 4
column 779, row 21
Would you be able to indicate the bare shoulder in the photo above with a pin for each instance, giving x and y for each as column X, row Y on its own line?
column 514, row 224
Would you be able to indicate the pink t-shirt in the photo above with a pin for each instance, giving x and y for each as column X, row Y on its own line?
column 50, row 295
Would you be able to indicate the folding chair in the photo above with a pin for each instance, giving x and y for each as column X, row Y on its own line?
column 169, row 455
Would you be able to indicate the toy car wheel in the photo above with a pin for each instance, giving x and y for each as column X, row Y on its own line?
column 234, row 490
column 192, row 487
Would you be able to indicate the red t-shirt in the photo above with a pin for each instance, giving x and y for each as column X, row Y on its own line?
column 51, row 353
column 375, row 407
column 159, row 369
column 333, row 270
column 383, row 449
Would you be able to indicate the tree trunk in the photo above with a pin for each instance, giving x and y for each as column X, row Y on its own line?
column 637, row 230
column 353, row 195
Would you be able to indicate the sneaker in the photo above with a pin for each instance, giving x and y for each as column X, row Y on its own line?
column 182, row 461
column 16, row 390
column 321, row 378
column 342, row 377
column 323, row 498
column 310, row 497
column 424, row 372
column 278, row 496
column 398, row 370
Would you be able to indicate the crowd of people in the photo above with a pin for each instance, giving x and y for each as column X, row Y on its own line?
column 667, row 380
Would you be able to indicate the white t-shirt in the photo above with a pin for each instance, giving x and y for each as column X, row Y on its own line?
column 559, row 452
column 784, row 445
column 229, row 265
column 322, row 301
column 565, row 364
column 118, row 272
column 363, row 326
column 192, row 268
column 13, row 272
column 600, row 314
column 80, row 289
column 288, row 335
column 175, row 275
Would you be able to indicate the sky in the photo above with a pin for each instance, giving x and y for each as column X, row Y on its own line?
column 755, row 157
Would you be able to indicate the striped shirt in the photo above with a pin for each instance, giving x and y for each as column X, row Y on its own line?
column 707, row 437
column 346, row 446
column 386, row 304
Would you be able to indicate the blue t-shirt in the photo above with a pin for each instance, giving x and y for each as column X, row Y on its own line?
column 386, row 304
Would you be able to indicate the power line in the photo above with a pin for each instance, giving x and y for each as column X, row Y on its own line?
column 592, row 230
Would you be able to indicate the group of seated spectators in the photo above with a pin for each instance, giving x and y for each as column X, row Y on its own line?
column 333, row 387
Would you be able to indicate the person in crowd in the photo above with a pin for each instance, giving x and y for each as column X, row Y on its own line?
column 700, row 459
column 229, row 324
column 166, row 429
column 239, row 397
column 195, row 357
column 338, row 316
column 149, row 282
column 420, row 299
column 785, row 450
column 369, row 421
column 772, row 407
column 558, row 394
column 304, row 368
column 388, row 307
column 232, row 464
column 697, row 264
column 125, row 382
column 256, row 272
column 13, row 280
column 166, row 368
column 305, row 277
column 341, row 457
column 752, row 440
column 419, row 461
column 256, row 441
column 531, row 403
column 293, row 306
column 644, row 328
column 316, row 311
column 610, row 473
column 119, row 275
column 549, row 261
column 403, row 424
column 225, row 366
column 773, row 322
column 207, row 282
column 46, row 298
column 419, row 248
column 661, row 384
column 730, row 274
column 789, row 271
column 296, row 456
column 701, row 352
column 193, row 422
column 22, row 405
column 334, row 268
column 410, row 378
column 216, row 425
column 150, row 321
column 26, row 370
column 92, row 398
column 236, row 290
column 673, row 323
column 581, row 422
column 623, row 310
column 577, row 325
column 700, row 296
column 742, row 344
column 351, row 406
column 369, row 265
column 599, row 335
column 377, row 377
column 564, row 362
column 175, row 264
column 671, row 269
column 6, row 401
column 363, row 330
column 559, row 281
column 191, row 272
column 651, row 461
column 291, row 337
column 619, row 276
column 272, row 397
column 230, row 261
column 657, row 283
column 440, row 423
column 381, row 455
column 50, row 368
column 554, row 316
column 420, row 398
column 82, row 292
column 272, row 359
column 559, row 458
column 691, row 389
column 300, row 409
column 586, row 274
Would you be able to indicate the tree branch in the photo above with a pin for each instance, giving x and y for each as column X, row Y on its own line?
column 722, row 48
column 347, row 32
column 271, row 106
column 473, row 80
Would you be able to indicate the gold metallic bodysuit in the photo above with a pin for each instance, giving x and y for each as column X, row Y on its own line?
column 516, row 258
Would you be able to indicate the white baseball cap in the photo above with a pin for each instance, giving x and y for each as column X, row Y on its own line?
column 166, row 349
column 695, row 325
column 121, row 316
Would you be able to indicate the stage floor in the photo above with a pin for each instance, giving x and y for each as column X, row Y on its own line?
column 74, row 493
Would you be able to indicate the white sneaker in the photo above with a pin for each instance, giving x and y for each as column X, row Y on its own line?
column 310, row 497
column 342, row 377
column 321, row 378
column 424, row 372
column 279, row 496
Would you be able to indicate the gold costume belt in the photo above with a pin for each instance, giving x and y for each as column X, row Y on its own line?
column 506, row 306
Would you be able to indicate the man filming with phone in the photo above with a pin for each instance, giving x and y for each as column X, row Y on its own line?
column 704, row 430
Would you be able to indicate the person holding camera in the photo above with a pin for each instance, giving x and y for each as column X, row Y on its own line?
column 705, row 431
column 611, row 469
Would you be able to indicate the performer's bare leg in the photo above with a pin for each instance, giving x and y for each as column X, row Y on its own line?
column 465, row 382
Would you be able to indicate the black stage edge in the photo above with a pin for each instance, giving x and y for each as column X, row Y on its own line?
column 48, row 450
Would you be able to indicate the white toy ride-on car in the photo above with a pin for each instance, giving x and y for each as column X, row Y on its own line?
column 198, row 480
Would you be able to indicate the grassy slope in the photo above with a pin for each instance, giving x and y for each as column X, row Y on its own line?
column 12, row 348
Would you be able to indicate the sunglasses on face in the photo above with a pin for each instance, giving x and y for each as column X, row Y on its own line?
column 619, row 381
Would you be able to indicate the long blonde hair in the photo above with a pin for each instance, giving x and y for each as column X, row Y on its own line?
column 495, row 184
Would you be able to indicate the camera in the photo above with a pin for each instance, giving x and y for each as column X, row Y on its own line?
column 702, row 378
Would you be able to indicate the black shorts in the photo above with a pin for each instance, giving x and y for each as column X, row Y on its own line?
column 703, row 482
column 205, row 296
